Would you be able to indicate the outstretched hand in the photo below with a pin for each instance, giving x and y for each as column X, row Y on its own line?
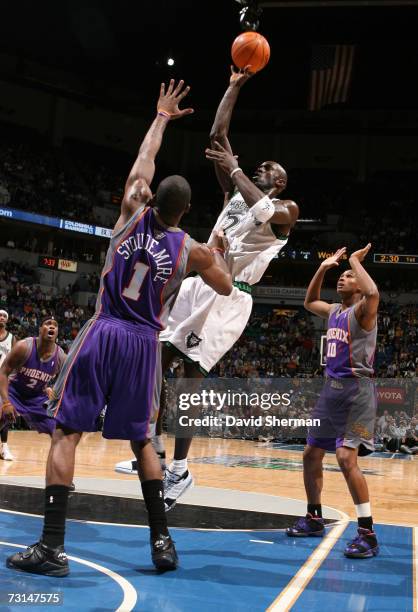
column 332, row 262
column 227, row 161
column 361, row 253
column 169, row 100
column 240, row 76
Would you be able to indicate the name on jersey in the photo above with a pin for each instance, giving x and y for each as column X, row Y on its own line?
column 335, row 333
column 34, row 373
column 147, row 243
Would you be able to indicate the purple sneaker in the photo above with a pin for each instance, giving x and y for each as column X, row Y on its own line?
column 307, row 526
column 364, row 545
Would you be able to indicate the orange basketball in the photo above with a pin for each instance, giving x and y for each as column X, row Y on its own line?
column 250, row 48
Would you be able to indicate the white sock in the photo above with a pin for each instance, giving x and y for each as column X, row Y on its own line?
column 178, row 466
column 158, row 444
column 363, row 510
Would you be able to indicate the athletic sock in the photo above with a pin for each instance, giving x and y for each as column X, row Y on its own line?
column 366, row 522
column 178, row 466
column 315, row 510
column 364, row 516
column 153, row 493
column 158, row 444
column 56, row 499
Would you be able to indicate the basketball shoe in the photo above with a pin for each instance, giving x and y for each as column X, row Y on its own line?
column 307, row 526
column 5, row 453
column 163, row 552
column 40, row 559
column 175, row 486
column 363, row 545
column 131, row 466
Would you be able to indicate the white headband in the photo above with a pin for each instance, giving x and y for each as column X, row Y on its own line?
column 5, row 313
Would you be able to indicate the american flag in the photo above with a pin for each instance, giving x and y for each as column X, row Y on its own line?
column 331, row 70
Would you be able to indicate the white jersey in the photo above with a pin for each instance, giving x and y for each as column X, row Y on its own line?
column 249, row 254
column 5, row 347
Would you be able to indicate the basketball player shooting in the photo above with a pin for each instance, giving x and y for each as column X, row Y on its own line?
column 347, row 403
column 115, row 360
column 203, row 326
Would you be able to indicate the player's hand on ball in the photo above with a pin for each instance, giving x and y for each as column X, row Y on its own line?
column 239, row 77
column 224, row 158
column 361, row 253
column 332, row 262
column 9, row 412
column 168, row 102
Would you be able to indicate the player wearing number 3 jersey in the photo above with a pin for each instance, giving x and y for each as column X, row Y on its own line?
column 115, row 360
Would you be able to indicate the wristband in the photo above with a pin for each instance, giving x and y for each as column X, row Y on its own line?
column 163, row 113
column 235, row 170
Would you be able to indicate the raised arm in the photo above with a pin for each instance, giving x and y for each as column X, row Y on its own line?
column 210, row 264
column 137, row 188
column 14, row 360
column 313, row 301
column 366, row 309
column 220, row 128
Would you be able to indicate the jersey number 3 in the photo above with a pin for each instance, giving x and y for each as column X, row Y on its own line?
column 132, row 291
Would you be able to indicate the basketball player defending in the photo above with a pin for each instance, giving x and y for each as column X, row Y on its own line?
column 115, row 359
column 203, row 326
column 24, row 377
column 347, row 404
column 7, row 341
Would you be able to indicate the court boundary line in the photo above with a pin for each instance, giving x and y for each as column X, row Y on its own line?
column 130, row 595
column 295, row 587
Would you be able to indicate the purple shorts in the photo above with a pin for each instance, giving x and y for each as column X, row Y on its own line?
column 32, row 410
column 112, row 364
column 346, row 409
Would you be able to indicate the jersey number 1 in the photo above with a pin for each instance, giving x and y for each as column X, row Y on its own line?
column 132, row 291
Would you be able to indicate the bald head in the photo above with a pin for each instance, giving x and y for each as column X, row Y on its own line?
column 269, row 176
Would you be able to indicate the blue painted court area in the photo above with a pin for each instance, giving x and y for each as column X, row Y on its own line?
column 219, row 570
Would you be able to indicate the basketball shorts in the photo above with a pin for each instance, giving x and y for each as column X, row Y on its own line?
column 204, row 325
column 32, row 409
column 115, row 364
column 347, row 410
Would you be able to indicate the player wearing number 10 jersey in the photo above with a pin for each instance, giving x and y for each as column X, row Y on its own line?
column 346, row 407
column 115, row 359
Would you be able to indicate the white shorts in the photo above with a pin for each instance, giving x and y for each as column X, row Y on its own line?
column 204, row 325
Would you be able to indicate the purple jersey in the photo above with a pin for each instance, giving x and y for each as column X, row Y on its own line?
column 35, row 374
column 144, row 267
column 350, row 348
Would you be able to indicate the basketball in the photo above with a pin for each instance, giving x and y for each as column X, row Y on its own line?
column 250, row 48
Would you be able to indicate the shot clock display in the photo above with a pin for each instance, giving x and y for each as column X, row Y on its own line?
column 393, row 258
column 56, row 263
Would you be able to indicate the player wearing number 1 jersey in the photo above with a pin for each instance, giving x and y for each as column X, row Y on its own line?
column 115, row 359
column 347, row 404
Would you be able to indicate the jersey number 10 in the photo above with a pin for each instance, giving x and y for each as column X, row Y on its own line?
column 331, row 349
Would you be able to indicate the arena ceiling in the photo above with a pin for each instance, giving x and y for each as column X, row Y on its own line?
column 118, row 49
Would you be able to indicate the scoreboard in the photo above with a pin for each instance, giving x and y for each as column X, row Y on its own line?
column 394, row 258
column 56, row 263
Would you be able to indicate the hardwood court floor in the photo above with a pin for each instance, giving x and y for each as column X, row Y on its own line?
column 393, row 483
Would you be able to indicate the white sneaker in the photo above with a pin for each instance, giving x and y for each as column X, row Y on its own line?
column 131, row 467
column 5, row 453
column 175, row 486
column 127, row 467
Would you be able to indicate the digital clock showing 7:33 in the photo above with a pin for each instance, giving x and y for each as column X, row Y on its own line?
column 395, row 258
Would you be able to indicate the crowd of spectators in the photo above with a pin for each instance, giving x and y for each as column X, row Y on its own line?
column 72, row 180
